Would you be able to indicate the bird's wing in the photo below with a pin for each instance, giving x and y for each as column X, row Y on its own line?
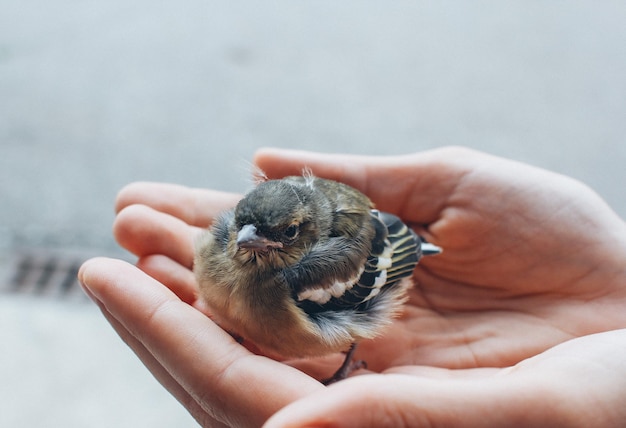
column 396, row 249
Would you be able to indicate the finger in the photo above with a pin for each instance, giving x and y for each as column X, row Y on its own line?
column 144, row 231
column 349, row 169
column 173, row 275
column 197, row 207
column 160, row 373
column 157, row 370
column 232, row 385
column 403, row 400
column 415, row 186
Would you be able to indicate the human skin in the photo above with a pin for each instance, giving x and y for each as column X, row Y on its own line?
column 499, row 329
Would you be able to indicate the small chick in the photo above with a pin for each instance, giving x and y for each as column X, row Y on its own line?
column 305, row 267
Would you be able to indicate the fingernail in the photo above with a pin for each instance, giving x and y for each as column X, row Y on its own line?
column 83, row 280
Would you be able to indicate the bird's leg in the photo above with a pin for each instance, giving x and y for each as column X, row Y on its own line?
column 347, row 367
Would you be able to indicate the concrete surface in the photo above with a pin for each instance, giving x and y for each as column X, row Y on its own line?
column 97, row 94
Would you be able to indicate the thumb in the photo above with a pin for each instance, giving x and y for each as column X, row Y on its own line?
column 415, row 186
column 349, row 169
column 409, row 401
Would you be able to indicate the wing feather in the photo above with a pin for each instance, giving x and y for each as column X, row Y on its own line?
column 395, row 250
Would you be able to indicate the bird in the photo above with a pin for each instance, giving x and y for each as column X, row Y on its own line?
column 305, row 266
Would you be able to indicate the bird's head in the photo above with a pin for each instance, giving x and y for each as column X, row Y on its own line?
column 276, row 224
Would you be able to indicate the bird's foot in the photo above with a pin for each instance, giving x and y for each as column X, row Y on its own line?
column 347, row 367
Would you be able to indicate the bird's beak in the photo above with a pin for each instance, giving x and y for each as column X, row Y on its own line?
column 248, row 238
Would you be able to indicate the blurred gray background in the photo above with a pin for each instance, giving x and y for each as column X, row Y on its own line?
column 97, row 94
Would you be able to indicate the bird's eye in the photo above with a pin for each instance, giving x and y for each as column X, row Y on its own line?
column 292, row 231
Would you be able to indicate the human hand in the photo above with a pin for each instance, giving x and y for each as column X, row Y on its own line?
column 214, row 377
column 531, row 258
column 579, row 383
column 466, row 311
